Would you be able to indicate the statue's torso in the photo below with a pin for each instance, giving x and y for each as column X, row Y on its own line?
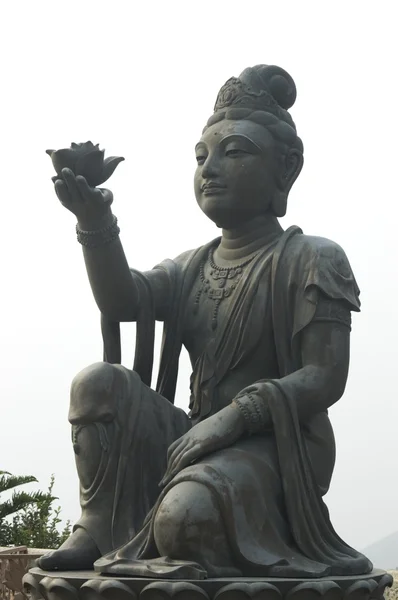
column 254, row 356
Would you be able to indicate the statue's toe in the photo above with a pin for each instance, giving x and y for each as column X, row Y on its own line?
column 69, row 560
column 47, row 562
column 79, row 552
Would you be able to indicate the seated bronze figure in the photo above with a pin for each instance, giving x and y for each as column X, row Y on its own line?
column 234, row 489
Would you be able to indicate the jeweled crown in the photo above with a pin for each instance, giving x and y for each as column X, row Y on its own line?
column 235, row 93
column 264, row 87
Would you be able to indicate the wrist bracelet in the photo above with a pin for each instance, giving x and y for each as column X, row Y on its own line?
column 98, row 237
column 253, row 411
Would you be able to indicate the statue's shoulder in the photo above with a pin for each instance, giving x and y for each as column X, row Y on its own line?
column 178, row 263
column 185, row 259
column 174, row 272
column 309, row 262
column 303, row 247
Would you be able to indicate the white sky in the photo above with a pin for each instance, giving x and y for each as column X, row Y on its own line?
column 141, row 79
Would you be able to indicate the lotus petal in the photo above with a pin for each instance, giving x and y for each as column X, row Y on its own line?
column 109, row 167
column 87, row 146
column 49, row 152
column 65, row 158
column 90, row 166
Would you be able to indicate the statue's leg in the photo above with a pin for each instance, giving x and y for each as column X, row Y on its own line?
column 189, row 524
column 112, row 415
column 92, row 415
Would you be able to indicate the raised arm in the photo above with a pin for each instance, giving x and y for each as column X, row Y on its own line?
column 113, row 285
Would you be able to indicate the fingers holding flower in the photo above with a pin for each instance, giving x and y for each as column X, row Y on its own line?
column 80, row 169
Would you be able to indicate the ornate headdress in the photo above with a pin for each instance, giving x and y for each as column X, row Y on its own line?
column 263, row 87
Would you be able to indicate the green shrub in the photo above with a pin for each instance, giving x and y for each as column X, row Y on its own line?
column 30, row 519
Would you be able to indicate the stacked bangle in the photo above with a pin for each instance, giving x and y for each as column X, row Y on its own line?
column 98, row 237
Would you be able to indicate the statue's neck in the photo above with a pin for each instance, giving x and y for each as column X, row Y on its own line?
column 241, row 241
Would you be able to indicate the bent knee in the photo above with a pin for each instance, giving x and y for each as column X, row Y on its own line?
column 187, row 514
column 93, row 395
column 188, row 503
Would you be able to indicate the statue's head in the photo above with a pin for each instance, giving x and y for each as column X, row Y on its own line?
column 249, row 154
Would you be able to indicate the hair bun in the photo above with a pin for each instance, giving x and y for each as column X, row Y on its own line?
column 272, row 79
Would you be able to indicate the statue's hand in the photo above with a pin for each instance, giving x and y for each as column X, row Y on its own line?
column 90, row 205
column 216, row 432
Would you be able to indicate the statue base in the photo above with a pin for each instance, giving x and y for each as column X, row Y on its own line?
column 88, row 585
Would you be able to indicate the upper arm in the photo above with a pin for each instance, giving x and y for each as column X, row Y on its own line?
column 161, row 288
column 325, row 344
column 326, row 293
column 151, row 286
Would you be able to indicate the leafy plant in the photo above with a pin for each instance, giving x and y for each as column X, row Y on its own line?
column 35, row 522
column 19, row 500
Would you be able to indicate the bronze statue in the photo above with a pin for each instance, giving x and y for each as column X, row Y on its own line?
column 265, row 315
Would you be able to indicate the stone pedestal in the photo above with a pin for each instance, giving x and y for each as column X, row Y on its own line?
column 87, row 585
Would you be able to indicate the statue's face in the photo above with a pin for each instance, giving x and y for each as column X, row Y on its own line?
column 235, row 176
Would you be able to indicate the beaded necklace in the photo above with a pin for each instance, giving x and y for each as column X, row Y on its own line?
column 220, row 275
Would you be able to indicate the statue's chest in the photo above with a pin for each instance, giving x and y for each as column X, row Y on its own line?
column 220, row 310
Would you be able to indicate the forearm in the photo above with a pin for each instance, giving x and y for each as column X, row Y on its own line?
column 314, row 387
column 311, row 388
column 112, row 283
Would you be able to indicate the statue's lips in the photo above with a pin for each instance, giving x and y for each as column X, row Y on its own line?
column 210, row 189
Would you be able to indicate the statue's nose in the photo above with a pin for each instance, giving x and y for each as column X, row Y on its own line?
column 210, row 167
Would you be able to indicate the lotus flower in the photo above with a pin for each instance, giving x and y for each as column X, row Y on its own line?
column 86, row 160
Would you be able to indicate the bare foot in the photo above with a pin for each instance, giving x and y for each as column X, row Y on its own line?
column 77, row 553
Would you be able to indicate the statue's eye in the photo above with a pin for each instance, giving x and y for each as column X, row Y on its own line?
column 200, row 159
column 235, row 152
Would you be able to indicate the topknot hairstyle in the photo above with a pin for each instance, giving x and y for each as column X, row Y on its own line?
column 262, row 94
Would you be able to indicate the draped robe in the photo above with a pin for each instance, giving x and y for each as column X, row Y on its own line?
column 281, row 528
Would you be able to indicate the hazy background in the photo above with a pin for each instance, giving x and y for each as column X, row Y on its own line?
column 141, row 79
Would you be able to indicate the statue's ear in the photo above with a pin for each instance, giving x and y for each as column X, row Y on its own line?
column 289, row 171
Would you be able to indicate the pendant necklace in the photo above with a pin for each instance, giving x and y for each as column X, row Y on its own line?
column 216, row 288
